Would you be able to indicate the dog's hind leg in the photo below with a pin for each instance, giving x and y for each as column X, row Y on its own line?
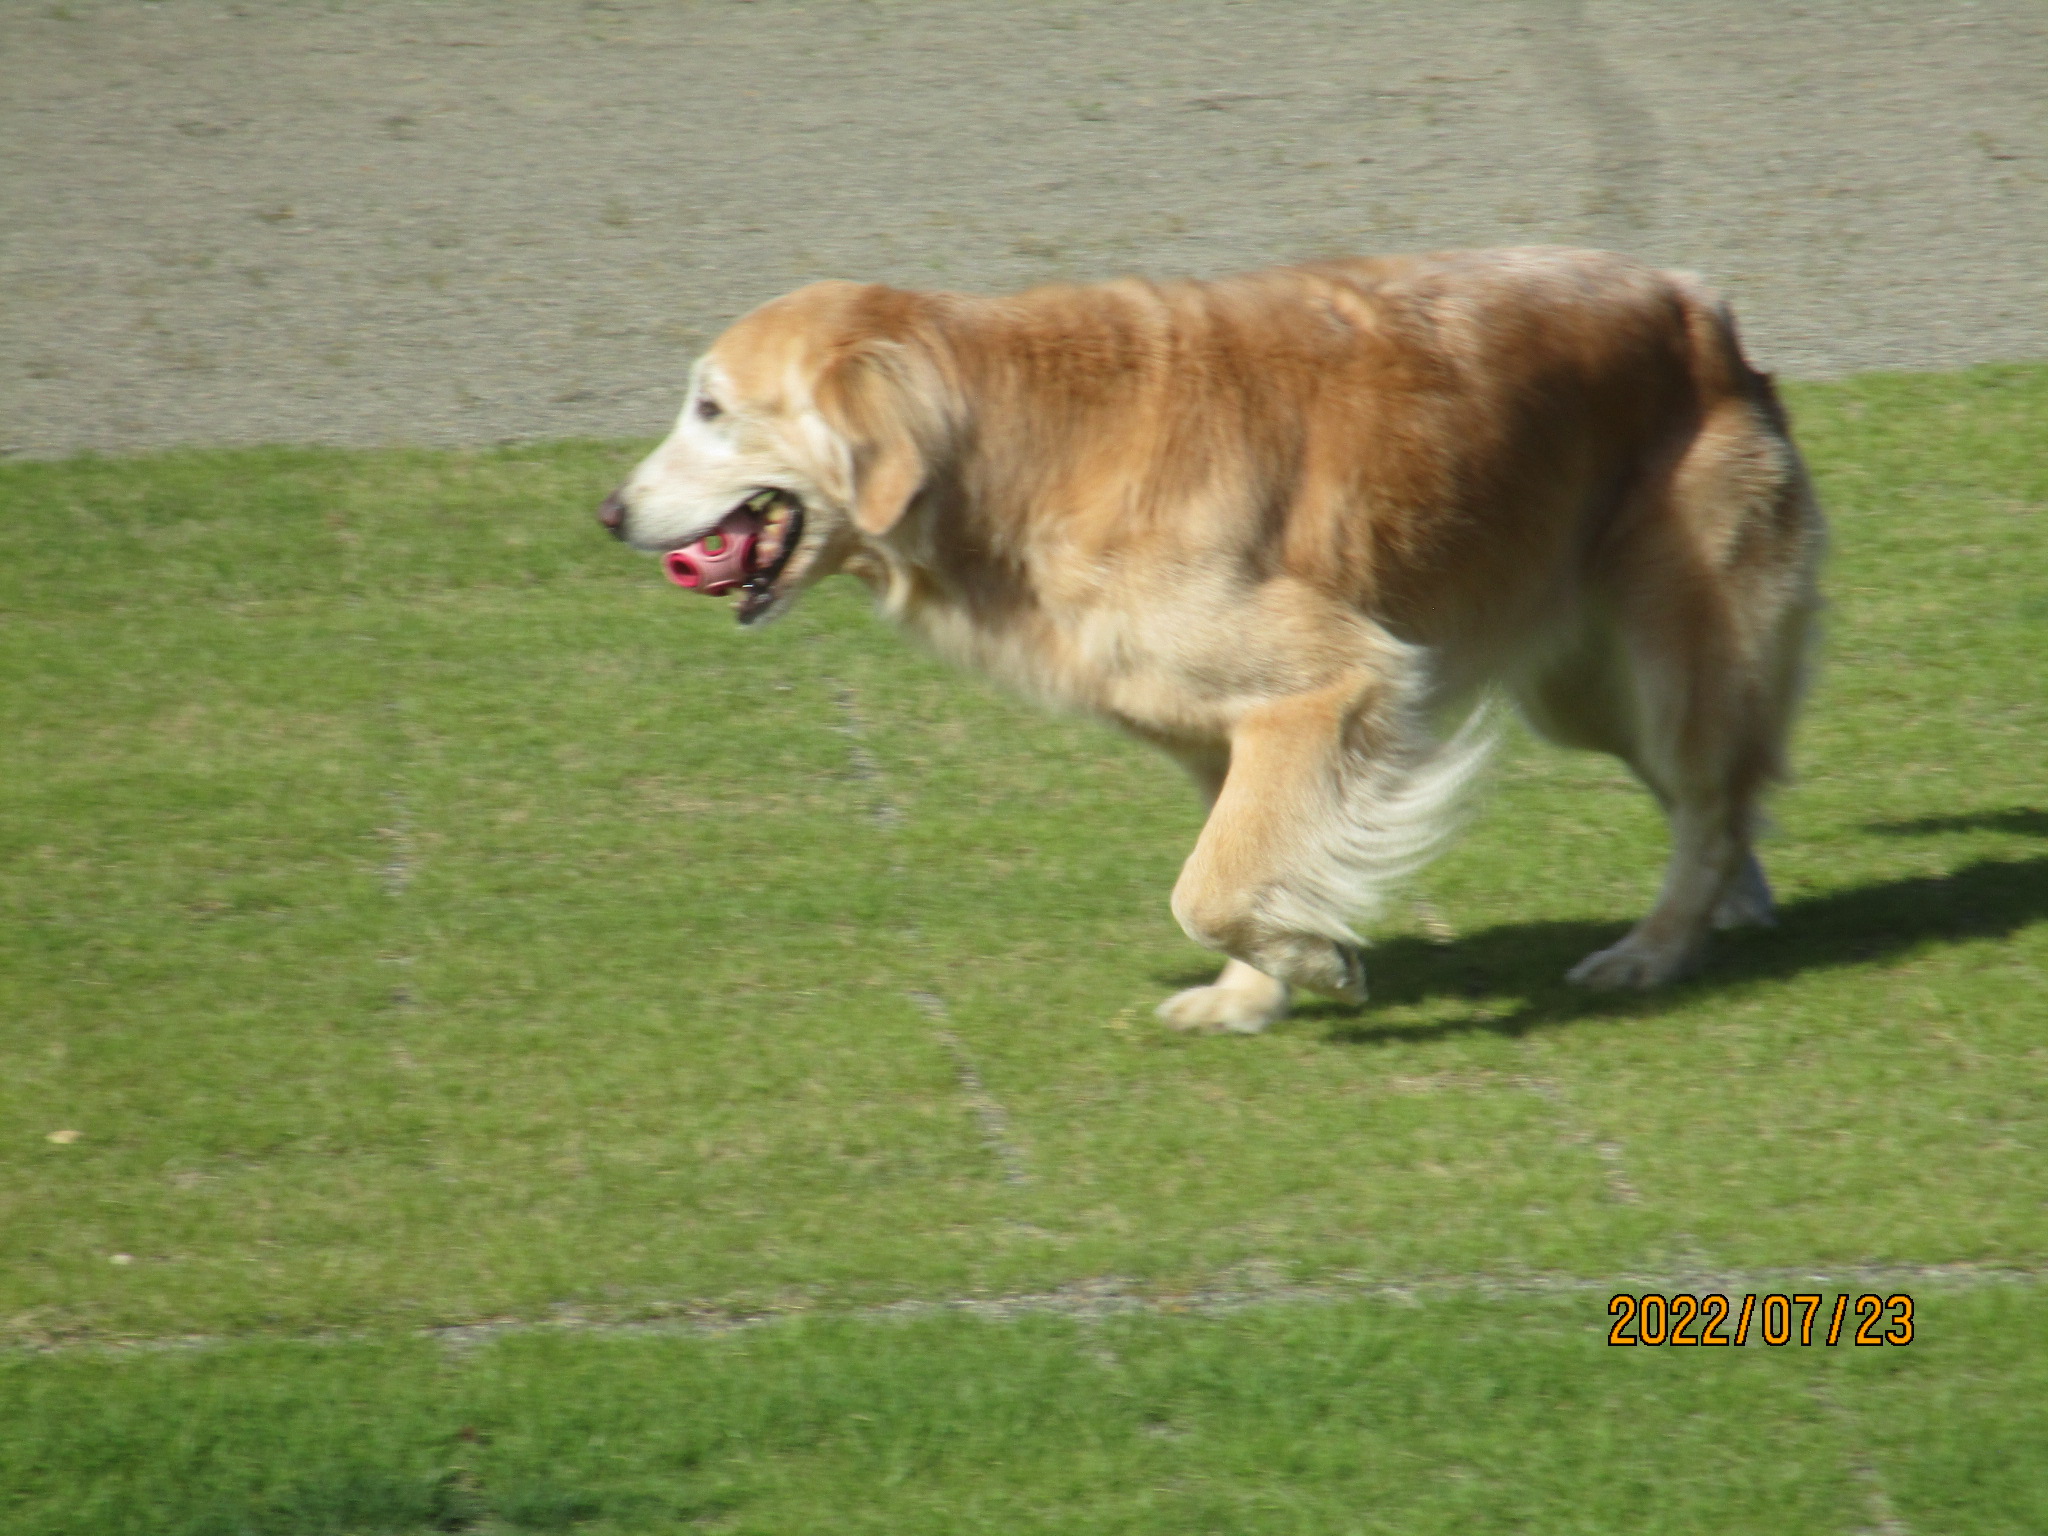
column 1709, row 846
column 1587, row 696
column 1711, row 636
column 1747, row 902
column 1330, row 795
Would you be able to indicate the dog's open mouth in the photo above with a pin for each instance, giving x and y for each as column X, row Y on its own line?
column 748, row 550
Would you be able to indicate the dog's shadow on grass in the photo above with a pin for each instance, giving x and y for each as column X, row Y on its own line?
column 1987, row 899
column 2022, row 819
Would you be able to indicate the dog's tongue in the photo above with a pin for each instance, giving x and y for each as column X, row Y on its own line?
column 719, row 561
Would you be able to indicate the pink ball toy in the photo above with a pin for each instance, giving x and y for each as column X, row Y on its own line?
column 719, row 561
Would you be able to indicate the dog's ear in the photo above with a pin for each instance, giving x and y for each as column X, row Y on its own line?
column 886, row 400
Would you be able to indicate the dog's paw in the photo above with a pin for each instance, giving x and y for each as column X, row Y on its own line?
column 1747, row 902
column 1223, row 1010
column 1351, row 986
column 1630, row 965
column 1319, row 964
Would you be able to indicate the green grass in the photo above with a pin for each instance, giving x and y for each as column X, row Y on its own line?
column 422, row 914
column 1460, row 1417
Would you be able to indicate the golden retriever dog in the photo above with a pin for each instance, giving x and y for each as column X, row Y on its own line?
column 1290, row 527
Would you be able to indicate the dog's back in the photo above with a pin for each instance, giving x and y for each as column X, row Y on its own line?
column 1465, row 448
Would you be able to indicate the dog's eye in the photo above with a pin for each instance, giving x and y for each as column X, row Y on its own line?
column 709, row 409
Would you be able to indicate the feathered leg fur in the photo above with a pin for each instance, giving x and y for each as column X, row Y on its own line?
column 1329, row 798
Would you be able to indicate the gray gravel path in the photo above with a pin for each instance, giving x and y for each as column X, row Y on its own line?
column 361, row 222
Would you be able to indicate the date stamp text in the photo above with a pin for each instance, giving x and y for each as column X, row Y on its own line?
column 1807, row 1318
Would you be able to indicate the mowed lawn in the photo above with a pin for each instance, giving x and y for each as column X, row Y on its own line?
column 413, row 912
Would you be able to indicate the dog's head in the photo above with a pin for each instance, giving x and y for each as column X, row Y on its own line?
column 809, row 430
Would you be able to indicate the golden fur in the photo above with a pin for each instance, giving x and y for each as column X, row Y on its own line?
column 1286, row 526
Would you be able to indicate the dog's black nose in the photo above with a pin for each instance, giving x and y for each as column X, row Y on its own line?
column 613, row 514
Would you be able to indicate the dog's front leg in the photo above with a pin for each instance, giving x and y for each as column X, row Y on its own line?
column 1242, row 1000
column 1285, row 858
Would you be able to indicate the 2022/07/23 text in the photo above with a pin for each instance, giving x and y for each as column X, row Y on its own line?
column 1713, row 1318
